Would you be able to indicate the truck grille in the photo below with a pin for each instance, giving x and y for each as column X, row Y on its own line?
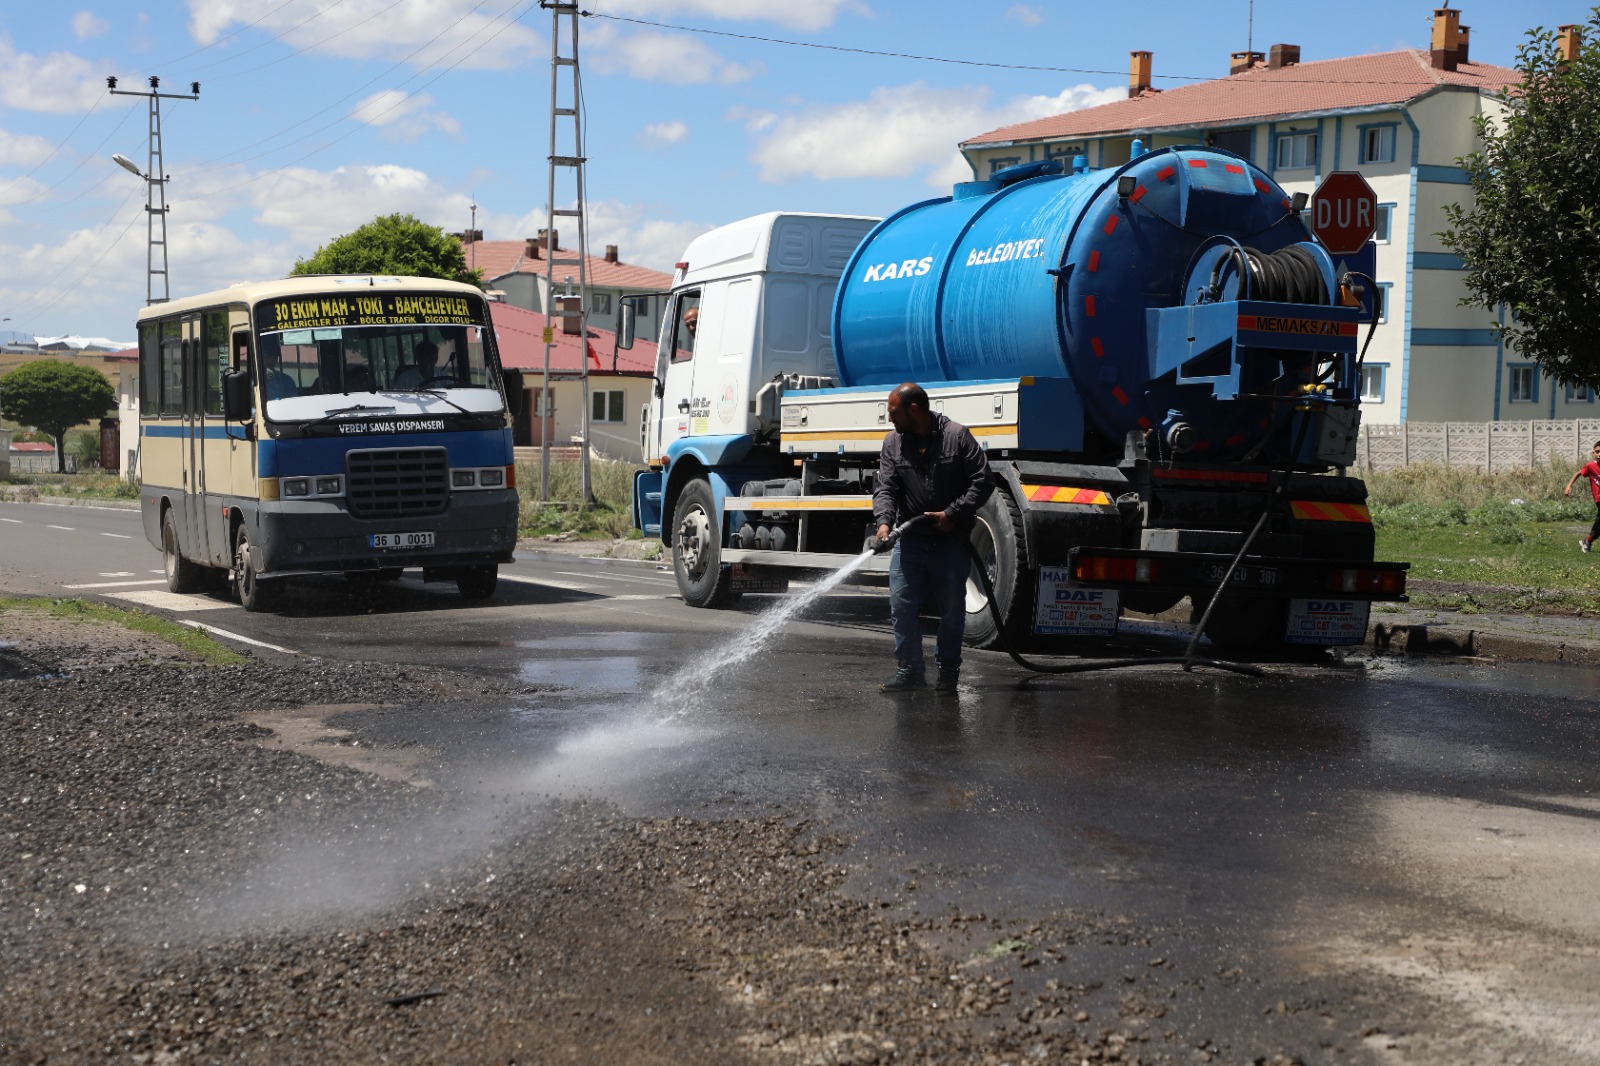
column 395, row 482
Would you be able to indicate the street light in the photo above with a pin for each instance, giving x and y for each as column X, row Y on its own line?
column 127, row 164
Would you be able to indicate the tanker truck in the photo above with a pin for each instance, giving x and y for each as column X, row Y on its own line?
column 1160, row 363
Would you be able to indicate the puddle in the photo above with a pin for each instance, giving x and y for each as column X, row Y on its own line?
column 600, row 675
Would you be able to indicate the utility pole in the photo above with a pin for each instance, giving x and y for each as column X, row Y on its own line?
column 571, row 161
column 156, row 182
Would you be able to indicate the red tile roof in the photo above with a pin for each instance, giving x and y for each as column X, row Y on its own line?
column 1328, row 85
column 498, row 258
column 520, row 336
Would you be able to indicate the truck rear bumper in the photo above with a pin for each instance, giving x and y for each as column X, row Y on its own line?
column 1127, row 569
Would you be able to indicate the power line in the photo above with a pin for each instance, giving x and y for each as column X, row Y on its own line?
column 972, row 62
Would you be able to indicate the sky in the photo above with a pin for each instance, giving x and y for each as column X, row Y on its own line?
column 315, row 116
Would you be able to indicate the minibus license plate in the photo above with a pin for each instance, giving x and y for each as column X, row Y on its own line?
column 400, row 540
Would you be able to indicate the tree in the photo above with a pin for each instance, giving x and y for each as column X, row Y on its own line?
column 1531, row 239
column 393, row 244
column 53, row 396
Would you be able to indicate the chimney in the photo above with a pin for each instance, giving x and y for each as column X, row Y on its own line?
column 1568, row 42
column 554, row 243
column 1283, row 55
column 530, row 247
column 570, row 308
column 1239, row 62
column 1138, row 73
column 1461, row 44
column 1446, row 34
column 611, row 254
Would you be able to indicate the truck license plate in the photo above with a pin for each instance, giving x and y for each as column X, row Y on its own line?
column 400, row 540
column 1329, row 621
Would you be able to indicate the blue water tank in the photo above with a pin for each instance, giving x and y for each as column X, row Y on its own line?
column 1050, row 274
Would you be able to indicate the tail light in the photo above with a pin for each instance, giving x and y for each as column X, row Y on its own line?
column 1368, row 582
column 1096, row 570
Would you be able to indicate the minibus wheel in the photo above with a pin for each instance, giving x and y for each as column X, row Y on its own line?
column 254, row 595
column 182, row 575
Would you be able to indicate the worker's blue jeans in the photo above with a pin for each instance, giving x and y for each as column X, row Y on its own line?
column 921, row 566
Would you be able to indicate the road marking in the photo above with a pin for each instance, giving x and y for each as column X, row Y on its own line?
column 119, row 536
column 607, row 577
column 116, row 573
column 65, row 529
column 236, row 636
column 13, row 521
column 114, row 584
column 567, row 586
column 171, row 601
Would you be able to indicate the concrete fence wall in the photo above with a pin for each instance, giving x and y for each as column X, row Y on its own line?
column 1488, row 447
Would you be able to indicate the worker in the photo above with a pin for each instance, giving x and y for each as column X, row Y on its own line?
column 933, row 467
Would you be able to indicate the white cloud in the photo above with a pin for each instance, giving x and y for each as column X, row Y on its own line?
column 893, row 133
column 86, row 24
column 21, row 150
column 642, row 235
column 450, row 32
column 674, row 58
column 403, row 117
column 56, row 84
column 660, row 134
column 1028, row 16
column 792, row 14
column 312, row 207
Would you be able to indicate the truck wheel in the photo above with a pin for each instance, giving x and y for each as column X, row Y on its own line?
column 478, row 582
column 697, row 549
column 254, row 595
column 182, row 575
column 1000, row 542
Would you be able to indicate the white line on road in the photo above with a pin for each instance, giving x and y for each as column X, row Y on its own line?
column 65, row 529
column 114, row 584
column 235, row 636
column 13, row 521
column 119, row 536
column 567, row 586
column 606, row 577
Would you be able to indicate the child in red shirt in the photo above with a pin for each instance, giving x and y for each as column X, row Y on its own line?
column 1590, row 470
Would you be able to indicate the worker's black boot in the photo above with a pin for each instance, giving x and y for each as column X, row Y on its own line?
column 908, row 677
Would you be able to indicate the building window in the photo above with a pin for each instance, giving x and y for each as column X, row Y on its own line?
column 1372, row 375
column 1296, row 151
column 1524, row 385
column 1385, row 290
column 1239, row 142
column 1380, row 232
column 607, row 406
column 997, row 165
column 1377, row 144
column 1580, row 394
column 600, row 303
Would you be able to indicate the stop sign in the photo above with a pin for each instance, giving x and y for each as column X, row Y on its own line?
column 1344, row 212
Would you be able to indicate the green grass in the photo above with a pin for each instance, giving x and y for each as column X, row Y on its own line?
column 86, row 486
column 91, row 612
column 1511, row 537
column 566, row 511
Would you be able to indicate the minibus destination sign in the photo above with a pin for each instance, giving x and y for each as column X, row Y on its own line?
column 376, row 309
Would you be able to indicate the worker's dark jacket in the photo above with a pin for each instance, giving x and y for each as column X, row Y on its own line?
column 951, row 474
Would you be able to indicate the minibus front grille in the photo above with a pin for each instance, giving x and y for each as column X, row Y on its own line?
column 396, row 482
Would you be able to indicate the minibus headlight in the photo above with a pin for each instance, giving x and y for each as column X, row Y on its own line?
column 491, row 478
column 328, row 486
column 296, row 486
column 462, row 479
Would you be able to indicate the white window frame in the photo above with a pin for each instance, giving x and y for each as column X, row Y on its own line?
column 1377, row 144
column 1383, row 232
column 1299, row 148
column 1580, row 394
column 607, row 406
column 1523, row 375
column 1378, row 373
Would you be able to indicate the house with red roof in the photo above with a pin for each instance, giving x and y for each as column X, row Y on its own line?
column 618, row 383
column 1401, row 119
column 519, row 273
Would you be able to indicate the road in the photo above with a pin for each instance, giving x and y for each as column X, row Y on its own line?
column 1399, row 853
